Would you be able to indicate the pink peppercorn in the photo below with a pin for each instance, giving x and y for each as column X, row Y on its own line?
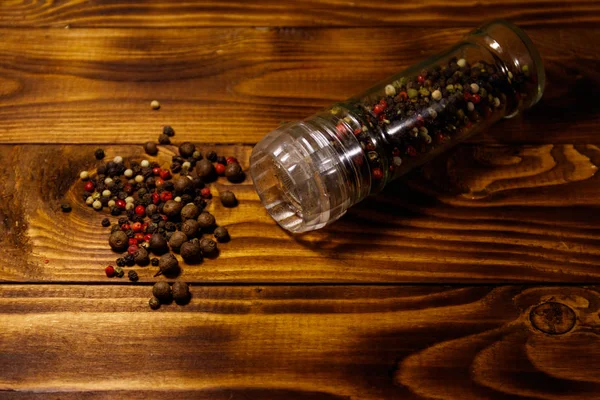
column 411, row 151
column 109, row 271
column 165, row 175
column 140, row 210
column 220, row 169
column 136, row 226
column 231, row 160
column 132, row 249
column 132, row 242
column 205, row 192
column 125, row 227
column 120, row 204
column 89, row 186
column 147, row 237
column 377, row 173
column 421, row 79
column 156, row 171
column 166, row 196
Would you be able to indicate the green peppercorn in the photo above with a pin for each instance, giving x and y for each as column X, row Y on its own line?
column 119, row 272
column 154, row 303
column 154, row 262
column 162, row 291
column 181, row 292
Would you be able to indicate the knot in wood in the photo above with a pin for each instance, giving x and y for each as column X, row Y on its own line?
column 553, row 318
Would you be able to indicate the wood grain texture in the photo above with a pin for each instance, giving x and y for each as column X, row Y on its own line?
column 235, row 85
column 479, row 214
column 167, row 14
column 325, row 343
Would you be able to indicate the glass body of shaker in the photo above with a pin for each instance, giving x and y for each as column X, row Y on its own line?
column 308, row 173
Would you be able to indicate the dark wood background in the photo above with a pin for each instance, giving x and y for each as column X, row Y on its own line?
column 473, row 278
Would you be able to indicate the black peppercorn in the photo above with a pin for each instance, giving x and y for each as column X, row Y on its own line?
column 221, row 234
column 209, row 247
column 130, row 233
column 200, row 203
column 154, row 303
column 190, row 227
column 156, row 218
column 186, row 149
column 168, row 186
column 158, row 244
column 115, row 228
column 177, row 159
column 123, row 220
column 189, row 211
column 141, row 257
column 228, row 199
column 170, row 226
column 191, row 252
column 133, row 276
column 211, row 156
column 162, row 291
column 118, row 241
column 172, row 208
column 168, row 130
column 222, row 160
column 186, row 198
column 129, row 260
column 198, row 183
column 181, row 292
column 176, row 240
column 206, row 220
column 234, row 173
column 168, row 265
column 164, row 139
column 206, row 170
column 121, row 262
column 175, row 167
column 67, row 207
column 154, row 262
column 182, row 184
column 99, row 154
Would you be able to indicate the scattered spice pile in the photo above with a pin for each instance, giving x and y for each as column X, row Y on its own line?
column 160, row 211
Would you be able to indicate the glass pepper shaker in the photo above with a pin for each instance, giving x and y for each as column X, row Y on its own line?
column 309, row 173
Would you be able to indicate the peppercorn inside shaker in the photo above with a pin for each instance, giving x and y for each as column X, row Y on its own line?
column 309, row 173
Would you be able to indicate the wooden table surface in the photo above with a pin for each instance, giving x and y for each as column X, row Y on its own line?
column 473, row 278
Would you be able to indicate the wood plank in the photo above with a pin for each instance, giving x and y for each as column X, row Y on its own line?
column 326, row 343
column 166, row 14
column 480, row 214
column 235, row 85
